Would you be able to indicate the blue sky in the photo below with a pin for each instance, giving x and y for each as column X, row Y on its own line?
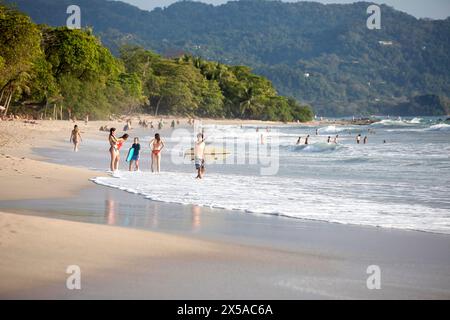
column 437, row 9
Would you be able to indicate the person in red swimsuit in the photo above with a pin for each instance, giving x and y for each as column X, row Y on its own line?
column 117, row 147
column 156, row 145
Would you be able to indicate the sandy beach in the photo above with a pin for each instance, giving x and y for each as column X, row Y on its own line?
column 304, row 260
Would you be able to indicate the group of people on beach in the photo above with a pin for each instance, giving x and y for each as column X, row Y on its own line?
column 156, row 145
column 335, row 139
column 329, row 140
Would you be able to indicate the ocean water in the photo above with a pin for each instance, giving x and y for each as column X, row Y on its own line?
column 400, row 179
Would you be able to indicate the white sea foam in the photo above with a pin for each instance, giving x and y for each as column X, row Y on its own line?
column 315, row 147
column 393, row 123
column 439, row 127
column 416, row 120
column 336, row 129
column 297, row 198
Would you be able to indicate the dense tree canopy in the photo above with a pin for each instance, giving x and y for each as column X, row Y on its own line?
column 42, row 66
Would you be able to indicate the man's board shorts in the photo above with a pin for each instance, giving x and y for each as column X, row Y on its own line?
column 199, row 163
column 135, row 157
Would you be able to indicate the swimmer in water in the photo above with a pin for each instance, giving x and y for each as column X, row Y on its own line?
column 299, row 141
column 358, row 139
column 336, row 139
column 307, row 139
column 156, row 145
column 329, row 139
column 365, row 140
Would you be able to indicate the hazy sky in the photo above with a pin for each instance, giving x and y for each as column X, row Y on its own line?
column 437, row 9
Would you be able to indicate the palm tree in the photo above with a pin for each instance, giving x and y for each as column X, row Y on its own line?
column 18, row 84
column 247, row 101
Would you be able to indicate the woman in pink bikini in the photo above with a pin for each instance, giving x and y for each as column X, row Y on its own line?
column 156, row 145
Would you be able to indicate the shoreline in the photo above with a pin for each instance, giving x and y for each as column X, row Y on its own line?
column 251, row 256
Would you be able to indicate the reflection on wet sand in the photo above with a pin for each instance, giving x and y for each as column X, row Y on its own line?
column 196, row 218
column 154, row 216
column 147, row 216
column 110, row 211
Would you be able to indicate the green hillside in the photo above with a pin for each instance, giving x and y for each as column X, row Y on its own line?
column 322, row 55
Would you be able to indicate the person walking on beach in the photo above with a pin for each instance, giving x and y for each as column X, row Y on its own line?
column 358, row 139
column 75, row 137
column 199, row 156
column 156, row 145
column 135, row 158
column 307, row 139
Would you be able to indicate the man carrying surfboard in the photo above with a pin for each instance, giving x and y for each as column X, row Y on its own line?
column 199, row 156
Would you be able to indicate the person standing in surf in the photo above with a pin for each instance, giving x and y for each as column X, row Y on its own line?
column 156, row 145
column 366, row 140
column 75, row 137
column 119, row 145
column 135, row 158
column 299, row 141
column 307, row 139
column 199, row 156
column 113, row 151
column 335, row 141
column 358, row 139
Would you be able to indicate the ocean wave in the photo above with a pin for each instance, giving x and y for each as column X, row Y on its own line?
column 415, row 121
column 439, row 127
column 393, row 123
column 296, row 198
column 315, row 147
column 336, row 129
